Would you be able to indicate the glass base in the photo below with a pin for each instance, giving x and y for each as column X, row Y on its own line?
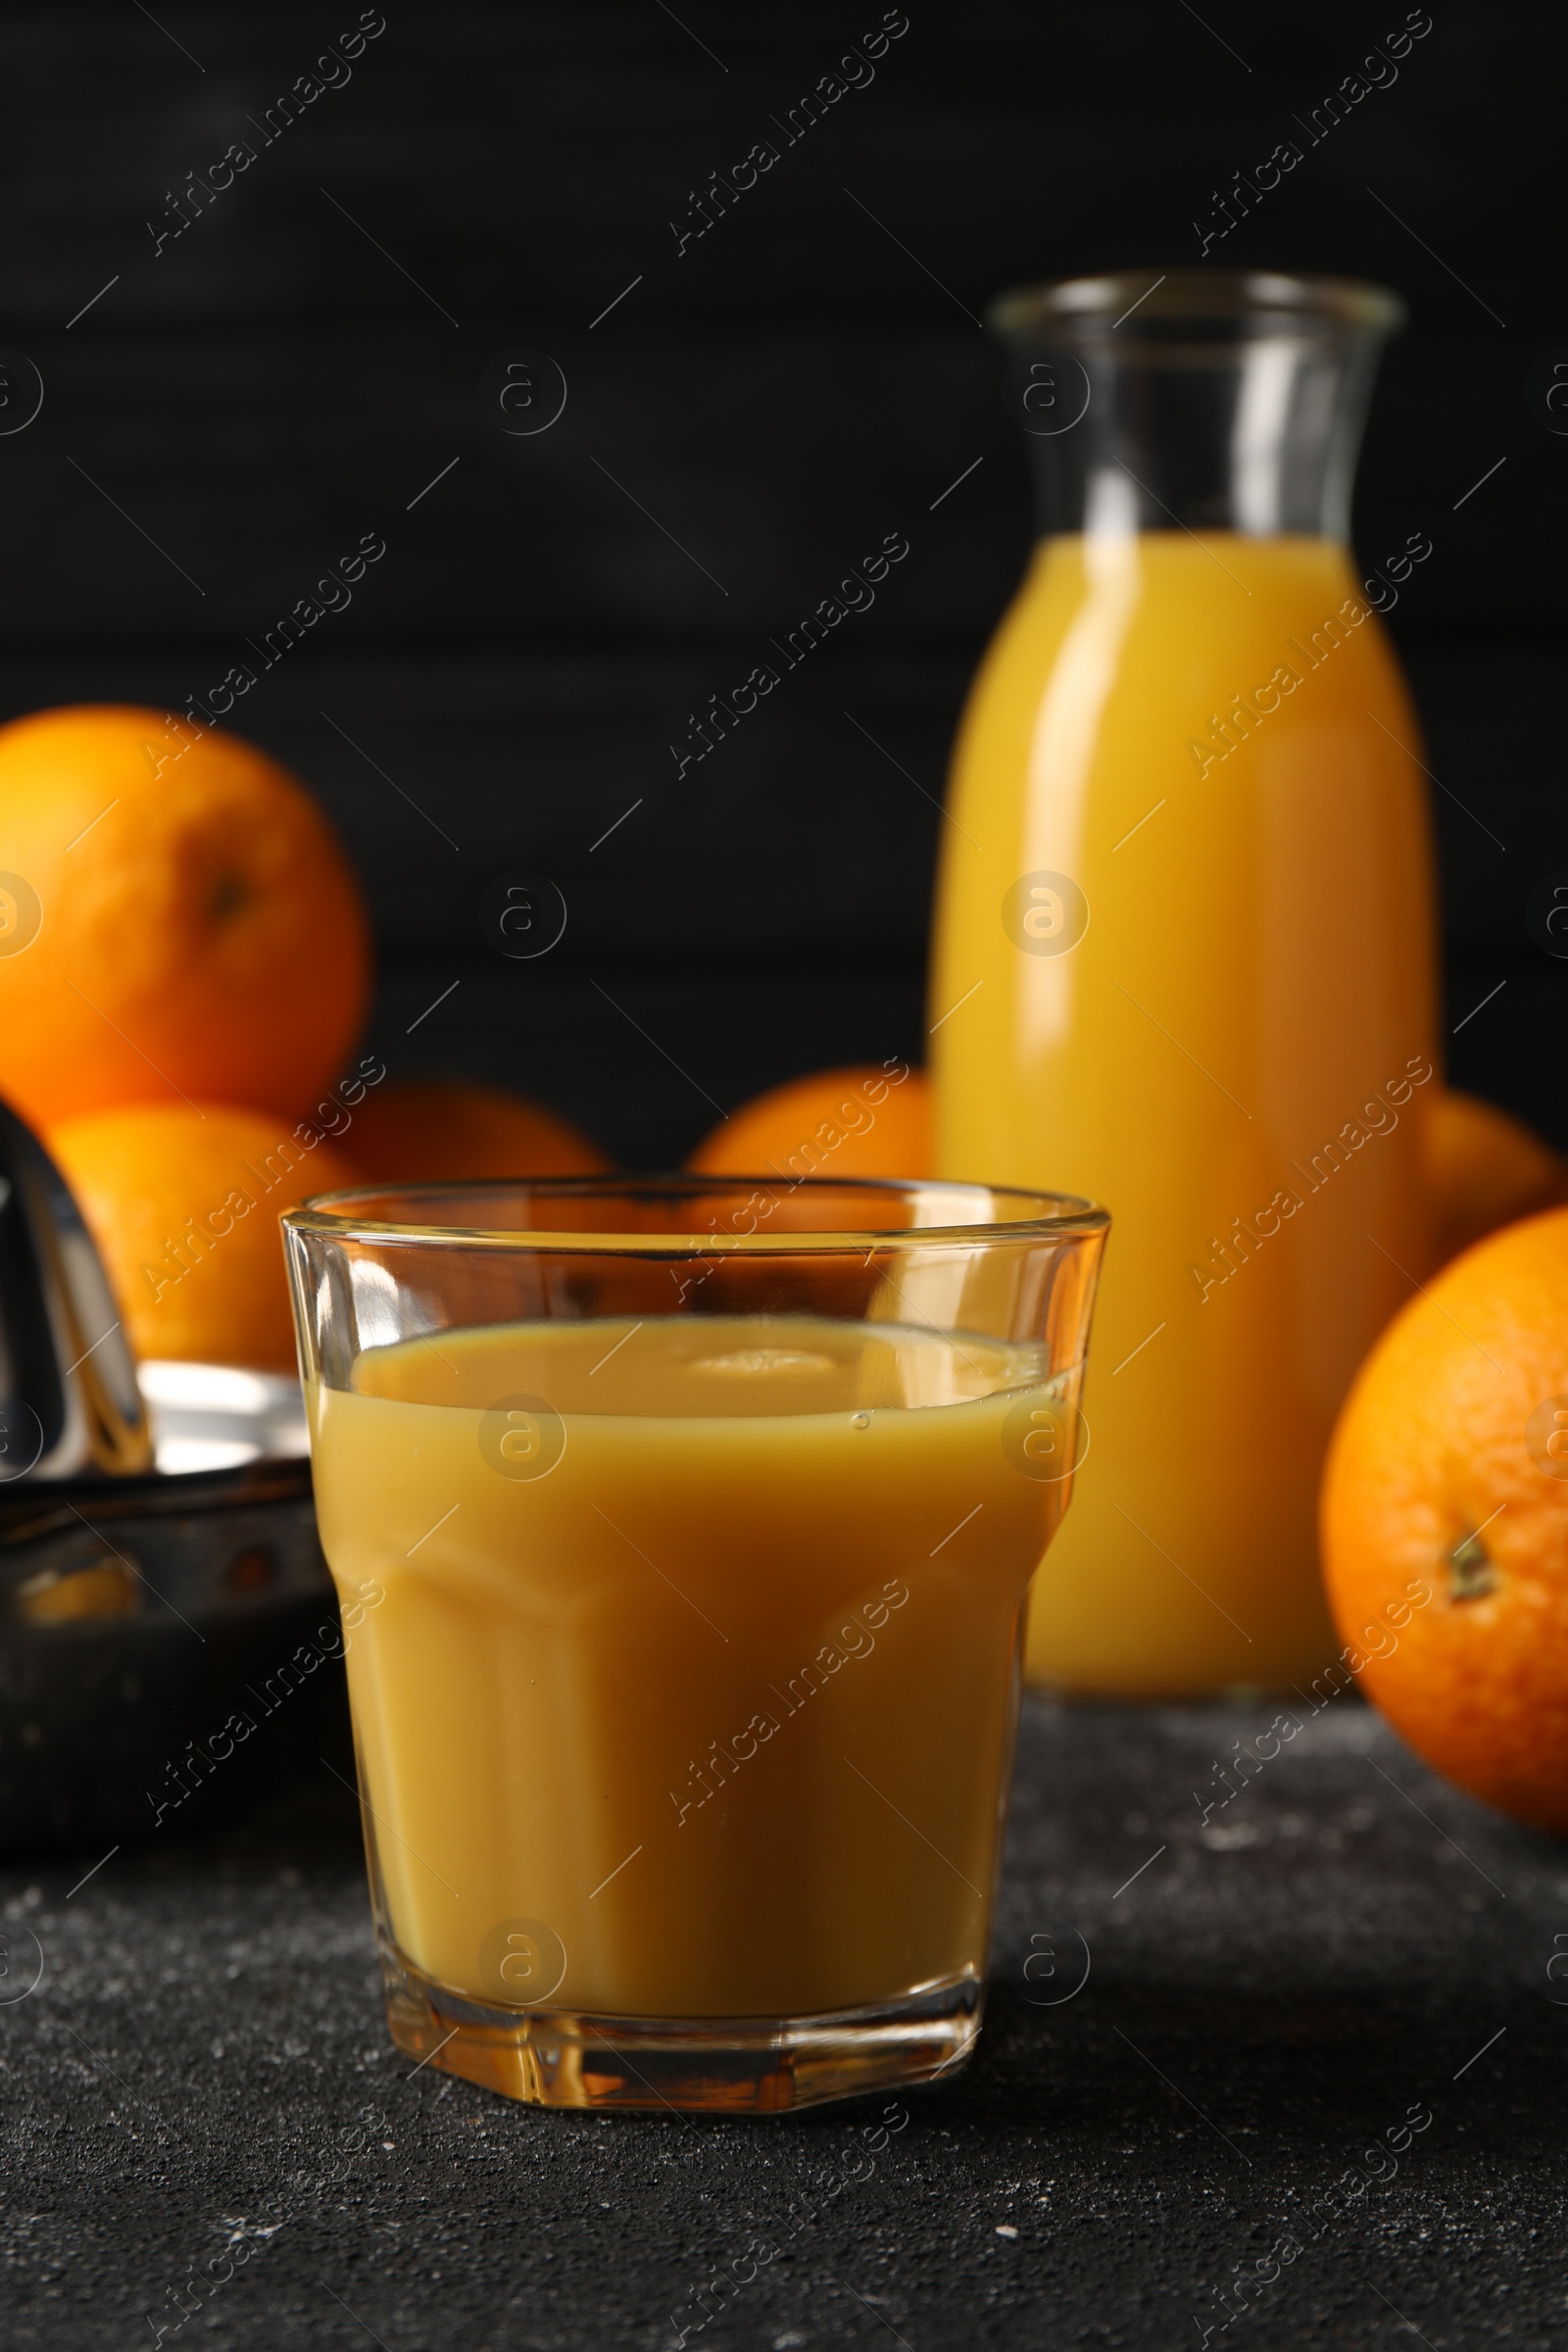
column 730, row 2066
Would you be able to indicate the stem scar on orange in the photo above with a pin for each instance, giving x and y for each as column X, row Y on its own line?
column 189, row 925
column 1448, row 1470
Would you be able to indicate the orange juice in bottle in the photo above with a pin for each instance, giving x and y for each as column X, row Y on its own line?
column 1184, row 955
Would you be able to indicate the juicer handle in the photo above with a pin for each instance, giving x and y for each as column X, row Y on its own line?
column 70, row 1405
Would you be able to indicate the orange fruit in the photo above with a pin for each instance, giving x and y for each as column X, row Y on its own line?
column 1484, row 1168
column 1447, row 1477
column 425, row 1130
column 183, row 1203
column 873, row 1119
column 192, row 929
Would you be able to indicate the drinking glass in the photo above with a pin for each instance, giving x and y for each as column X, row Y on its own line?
column 683, row 1530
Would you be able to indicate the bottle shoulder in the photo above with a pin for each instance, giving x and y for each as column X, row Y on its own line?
column 1158, row 618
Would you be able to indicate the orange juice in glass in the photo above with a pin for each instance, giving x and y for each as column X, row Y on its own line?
column 698, row 1519
column 1184, row 955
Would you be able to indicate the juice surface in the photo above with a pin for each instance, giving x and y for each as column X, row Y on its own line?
column 713, row 1678
column 1230, row 1057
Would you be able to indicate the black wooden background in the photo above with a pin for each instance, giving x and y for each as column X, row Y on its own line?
column 226, row 415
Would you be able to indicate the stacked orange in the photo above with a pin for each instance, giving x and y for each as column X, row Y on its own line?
column 185, row 972
column 867, row 1120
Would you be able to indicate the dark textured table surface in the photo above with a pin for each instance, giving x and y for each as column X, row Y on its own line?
column 1314, row 2078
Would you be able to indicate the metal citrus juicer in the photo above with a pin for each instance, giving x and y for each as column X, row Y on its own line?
column 160, row 1582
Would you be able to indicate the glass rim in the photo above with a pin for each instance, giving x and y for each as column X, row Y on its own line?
column 329, row 1216
column 1022, row 313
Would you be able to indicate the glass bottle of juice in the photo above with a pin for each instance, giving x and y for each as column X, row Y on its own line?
column 1184, row 959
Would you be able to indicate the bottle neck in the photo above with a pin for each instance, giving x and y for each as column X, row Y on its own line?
column 1228, row 413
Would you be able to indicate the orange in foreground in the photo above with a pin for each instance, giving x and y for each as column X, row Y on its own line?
column 873, row 1119
column 1449, row 1475
column 1484, row 1168
column 176, row 917
column 183, row 1203
column 425, row 1130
